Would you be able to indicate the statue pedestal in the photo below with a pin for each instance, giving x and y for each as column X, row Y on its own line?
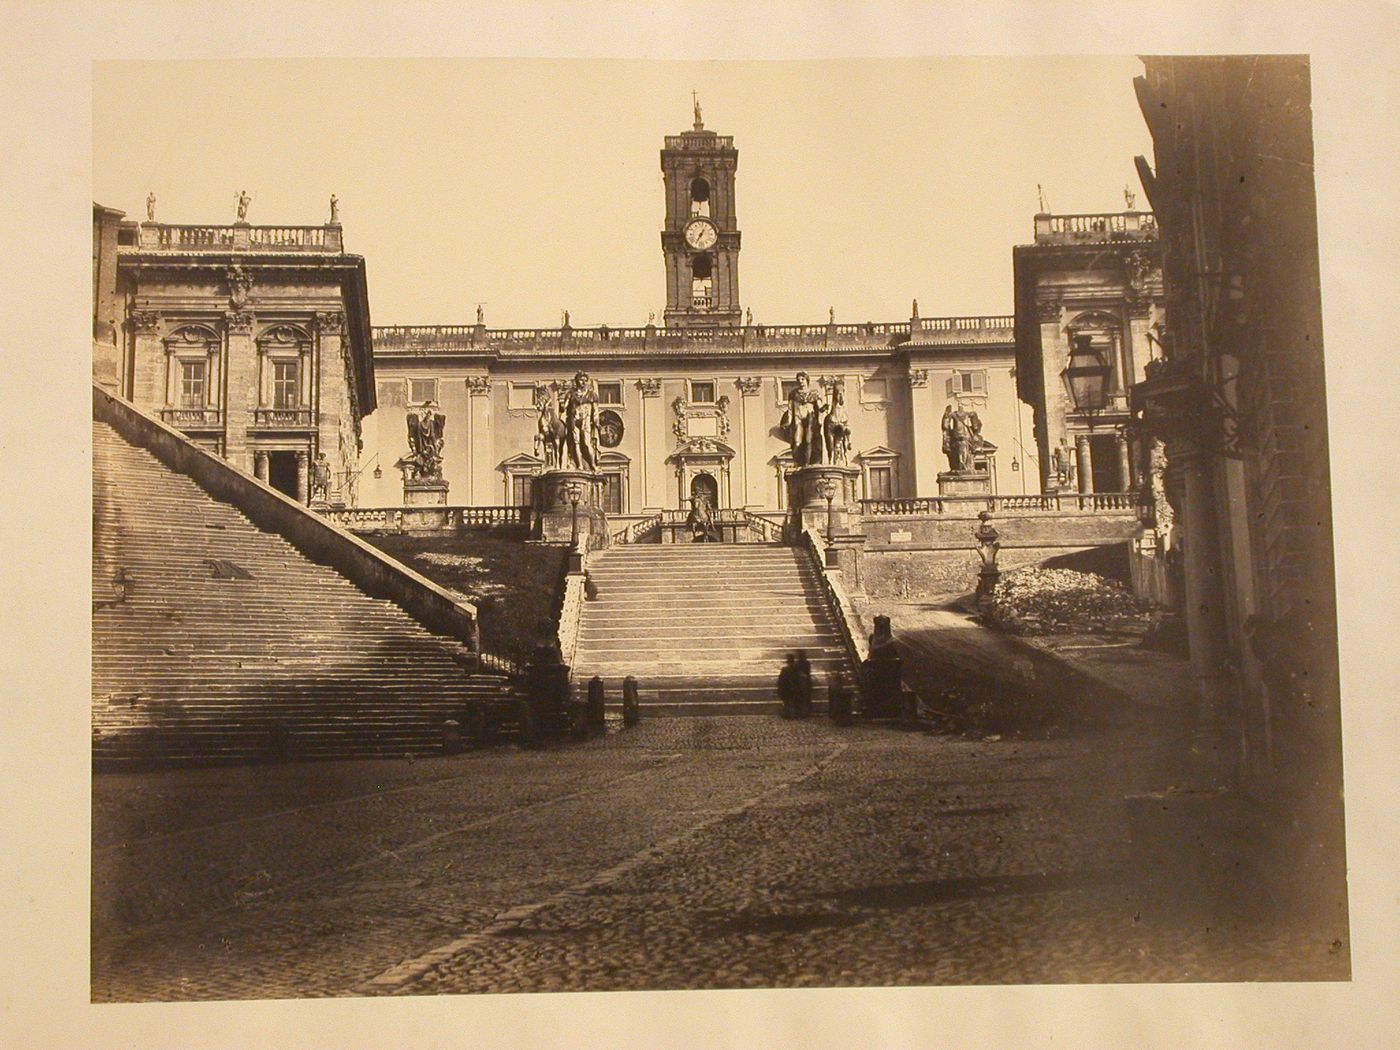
column 425, row 504
column 807, row 499
column 964, row 483
column 555, row 521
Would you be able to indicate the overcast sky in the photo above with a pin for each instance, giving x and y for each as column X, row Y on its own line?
column 535, row 185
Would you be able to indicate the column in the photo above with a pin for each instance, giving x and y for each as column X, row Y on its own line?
column 1085, row 465
column 242, row 366
column 303, row 477
column 923, row 421
column 260, row 466
column 1125, row 464
column 1205, row 621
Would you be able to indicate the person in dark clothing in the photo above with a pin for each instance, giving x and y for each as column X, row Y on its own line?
column 804, row 675
column 790, row 687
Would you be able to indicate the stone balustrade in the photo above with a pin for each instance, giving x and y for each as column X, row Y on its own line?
column 750, row 339
column 968, row 506
column 393, row 519
column 1109, row 226
column 240, row 237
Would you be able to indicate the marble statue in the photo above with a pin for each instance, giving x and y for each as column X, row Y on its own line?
column 836, row 429
column 581, row 419
column 802, row 421
column 243, row 201
column 962, row 438
column 425, row 437
column 551, row 433
column 151, row 207
column 321, row 477
column 335, row 210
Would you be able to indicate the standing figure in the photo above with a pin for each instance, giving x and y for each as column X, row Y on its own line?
column 790, row 687
column 425, row 433
column 836, row 428
column 321, row 477
column 1064, row 463
column 802, row 421
column 962, row 437
column 243, row 201
column 335, row 210
column 804, row 681
column 581, row 419
column 151, row 206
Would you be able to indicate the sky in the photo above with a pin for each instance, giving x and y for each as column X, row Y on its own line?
column 534, row 186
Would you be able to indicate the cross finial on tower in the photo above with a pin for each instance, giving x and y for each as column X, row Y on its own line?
column 695, row 98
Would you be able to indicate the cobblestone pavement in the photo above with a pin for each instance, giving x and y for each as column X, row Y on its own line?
column 684, row 853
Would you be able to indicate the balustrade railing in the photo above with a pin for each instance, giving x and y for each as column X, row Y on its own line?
column 384, row 519
column 192, row 417
column 843, row 610
column 636, row 531
column 1103, row 226
column 281, row 417
column 763, row 530
column 240, row 237
column 968, row 506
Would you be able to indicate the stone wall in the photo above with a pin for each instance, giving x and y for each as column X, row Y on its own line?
column 927, row 532
column 935, row 573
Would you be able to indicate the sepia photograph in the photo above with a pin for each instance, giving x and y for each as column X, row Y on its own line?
column 498, row 588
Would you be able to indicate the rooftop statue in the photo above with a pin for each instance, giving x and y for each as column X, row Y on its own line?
column 243, row 201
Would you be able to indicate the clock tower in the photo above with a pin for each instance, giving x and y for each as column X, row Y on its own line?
column 701, row 238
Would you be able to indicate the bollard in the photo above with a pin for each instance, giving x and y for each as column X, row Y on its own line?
column 908, row 709
column 838, row 701
column 631, row 706
column 578, row 719
column 597, row 705
column 451, row 737
column 529, row 715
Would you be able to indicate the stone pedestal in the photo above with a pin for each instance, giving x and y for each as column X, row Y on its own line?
column 964, row 483
column 556, row 516
column 808, row 502
column 425, row 504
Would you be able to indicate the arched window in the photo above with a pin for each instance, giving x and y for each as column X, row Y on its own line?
column 700, row 197
column 702, row 285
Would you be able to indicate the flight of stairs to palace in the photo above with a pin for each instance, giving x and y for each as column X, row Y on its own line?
column 705, row 627
column 285, row 659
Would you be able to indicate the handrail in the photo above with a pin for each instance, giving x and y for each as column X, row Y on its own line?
column 843, row 611
column 766, row 531
column 635, row 530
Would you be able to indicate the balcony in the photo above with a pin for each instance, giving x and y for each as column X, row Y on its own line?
column 193, row 418
column 281, row 418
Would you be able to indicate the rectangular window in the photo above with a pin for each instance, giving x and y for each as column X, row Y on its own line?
column 881, row 483
column 967, row 383
column 873, row 391
column 284, row 384
column 522, row 395
column 420, row 390
column 702, row 392
column 612, row 493
column 521, row 489
column 192, row 384
column 785, row 389
column 610, row 393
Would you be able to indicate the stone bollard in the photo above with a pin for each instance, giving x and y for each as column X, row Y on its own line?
column 529, row 715
column 631, row 705
column 451, row 737
column 578, row 719
column 597, row 705
column 838, row 701
column 908, row 709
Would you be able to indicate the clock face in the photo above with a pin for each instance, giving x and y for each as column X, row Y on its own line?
column 700, row 234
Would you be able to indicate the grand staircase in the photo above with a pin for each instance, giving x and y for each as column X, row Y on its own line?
column 705, row 627
column 216, row 641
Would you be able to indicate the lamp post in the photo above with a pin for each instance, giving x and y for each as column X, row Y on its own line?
column 1086, row 381
column 573, row 492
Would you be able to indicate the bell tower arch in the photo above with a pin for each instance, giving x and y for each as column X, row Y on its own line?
column 700, row 240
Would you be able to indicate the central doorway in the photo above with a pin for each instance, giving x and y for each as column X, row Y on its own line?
column 704, row 486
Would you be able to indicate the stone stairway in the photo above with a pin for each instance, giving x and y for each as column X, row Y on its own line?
column 705, row 627
column 226, row 643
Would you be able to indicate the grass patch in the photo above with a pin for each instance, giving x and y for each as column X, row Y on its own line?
column 513, row 584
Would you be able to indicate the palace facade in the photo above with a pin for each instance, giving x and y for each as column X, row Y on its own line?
column 256, row 341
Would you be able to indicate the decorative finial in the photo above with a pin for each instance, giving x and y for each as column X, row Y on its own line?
column 695, row 98
column 1130, row 197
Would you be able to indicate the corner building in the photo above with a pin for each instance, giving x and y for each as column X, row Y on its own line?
column 695, row 404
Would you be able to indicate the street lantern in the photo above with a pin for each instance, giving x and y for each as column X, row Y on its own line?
column 1086, row 376
column 826, row 488
column 573, row 492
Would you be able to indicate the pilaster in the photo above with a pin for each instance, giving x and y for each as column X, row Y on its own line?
column 241, row 369
column 923, row 421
